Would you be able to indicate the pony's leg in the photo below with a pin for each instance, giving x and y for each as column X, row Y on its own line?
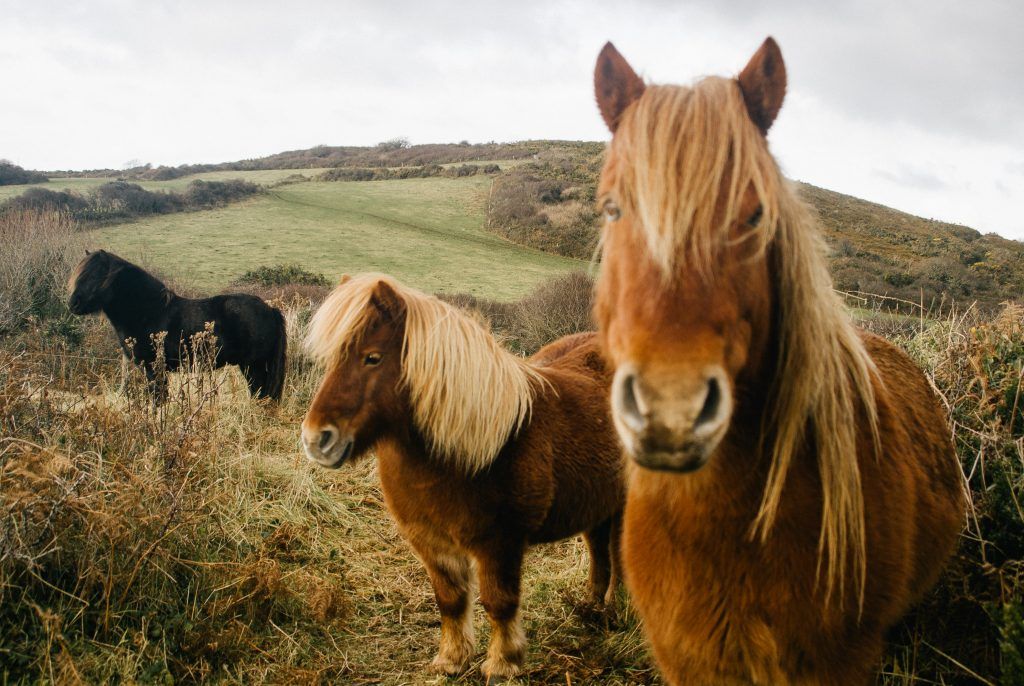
column 615, row 546
column 451, row 575
column 599, row 542
column 255, row 378
column 499, row 571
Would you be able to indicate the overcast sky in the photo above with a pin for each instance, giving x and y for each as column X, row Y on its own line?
column 914, row 104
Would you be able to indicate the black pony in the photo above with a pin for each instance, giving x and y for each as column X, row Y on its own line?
column 249, row 333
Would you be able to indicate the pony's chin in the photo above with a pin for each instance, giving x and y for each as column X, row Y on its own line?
column 680, row 463
column 79, row 310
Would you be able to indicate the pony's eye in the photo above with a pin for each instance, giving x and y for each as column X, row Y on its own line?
column 756, row 217
column 372, row 359
column 611, row 211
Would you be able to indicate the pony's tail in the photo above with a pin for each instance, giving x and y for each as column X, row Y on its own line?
column 278, row 361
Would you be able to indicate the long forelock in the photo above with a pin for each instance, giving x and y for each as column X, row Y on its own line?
column 679, row 155
column 85, row 267
column 469, row 395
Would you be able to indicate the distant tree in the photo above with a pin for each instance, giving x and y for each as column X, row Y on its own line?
column 399, row 143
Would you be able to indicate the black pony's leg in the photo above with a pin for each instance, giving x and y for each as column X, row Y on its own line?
column 256, row 376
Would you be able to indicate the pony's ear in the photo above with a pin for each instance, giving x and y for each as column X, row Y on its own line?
column 345, row 278
column 87, row 252
column 763, row 82
column 616, row 85
column 387, row 301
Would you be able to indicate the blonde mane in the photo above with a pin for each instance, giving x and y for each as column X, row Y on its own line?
column 469, row 394
column 680, row 155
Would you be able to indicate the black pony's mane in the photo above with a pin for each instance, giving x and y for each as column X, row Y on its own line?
column 142, row 283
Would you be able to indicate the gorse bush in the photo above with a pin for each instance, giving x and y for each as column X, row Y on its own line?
column 282, row 275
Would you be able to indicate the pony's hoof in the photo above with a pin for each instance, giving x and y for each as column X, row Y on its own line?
column 446, row 666
column 500, row 670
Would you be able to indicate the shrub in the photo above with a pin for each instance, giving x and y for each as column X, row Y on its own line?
column 558, row 307
column 282, row 275
column 975, row 614
column 120, row 199
column 11, row 174
column 44, row 200
column 202, row 194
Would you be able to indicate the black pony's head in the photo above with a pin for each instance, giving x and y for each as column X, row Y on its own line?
column 91, row 280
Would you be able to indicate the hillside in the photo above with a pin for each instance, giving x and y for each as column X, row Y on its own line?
column 548, row 203
column 543, row 198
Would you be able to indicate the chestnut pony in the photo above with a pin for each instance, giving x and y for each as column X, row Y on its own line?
column 480, row 452
column 793, row 489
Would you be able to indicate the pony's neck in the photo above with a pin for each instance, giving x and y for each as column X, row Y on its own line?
column 136, row 297
column 404, row 444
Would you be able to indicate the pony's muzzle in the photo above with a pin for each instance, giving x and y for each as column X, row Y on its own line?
column 673, row 424
column 75, row 304
column 325, row 445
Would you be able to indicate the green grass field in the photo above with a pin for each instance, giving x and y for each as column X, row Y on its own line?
column 428, row 232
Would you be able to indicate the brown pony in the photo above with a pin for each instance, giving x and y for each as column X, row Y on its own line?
column 480, row 452
column 793, row 487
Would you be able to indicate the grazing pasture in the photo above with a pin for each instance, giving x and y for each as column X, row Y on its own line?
column 428, row 232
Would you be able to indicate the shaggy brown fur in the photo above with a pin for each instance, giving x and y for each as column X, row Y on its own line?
column 794, row 489
column 557, row 474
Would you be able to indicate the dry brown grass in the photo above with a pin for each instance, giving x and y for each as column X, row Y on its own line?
column 39, row 249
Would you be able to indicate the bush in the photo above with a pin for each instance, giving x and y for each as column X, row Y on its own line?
column 120, row 200
column 44, row 200
column 558, row 307
column 40, row 249
column 282, row 275
column 11, row 174
column 976, row 613
column 203, row 194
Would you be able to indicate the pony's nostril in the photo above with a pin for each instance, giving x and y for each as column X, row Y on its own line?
column 629, row 403
column 327, row 437
column 713, row 398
